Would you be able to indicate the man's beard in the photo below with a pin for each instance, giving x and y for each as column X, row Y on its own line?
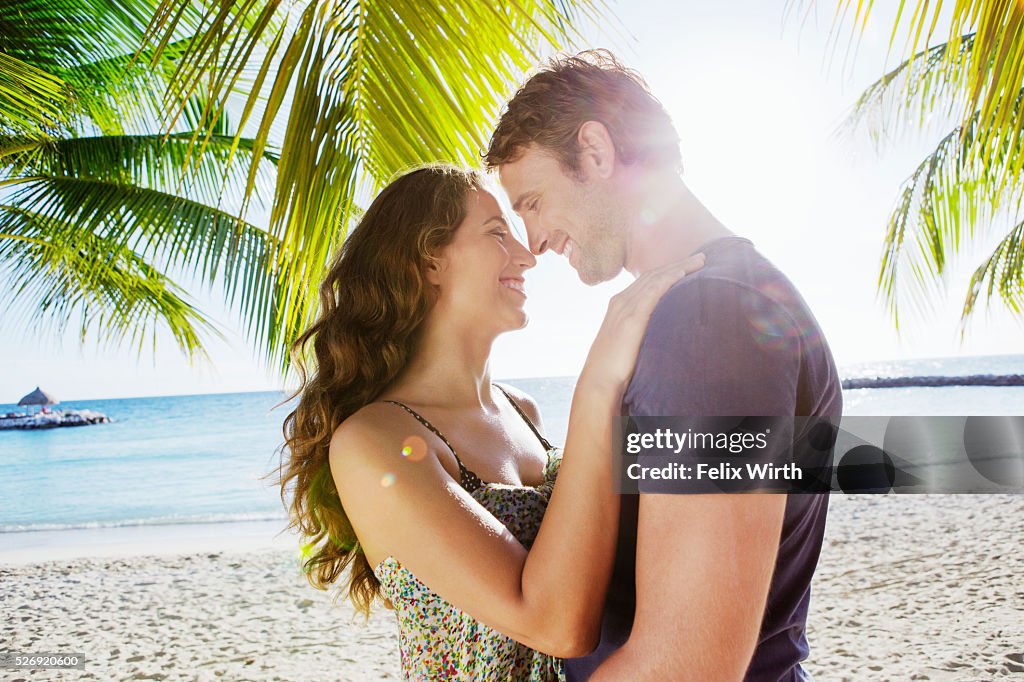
column 602, row 257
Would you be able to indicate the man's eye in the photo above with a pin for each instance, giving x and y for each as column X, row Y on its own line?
column 500, row 234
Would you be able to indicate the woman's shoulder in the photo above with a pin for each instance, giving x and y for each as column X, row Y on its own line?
column 365, row 438
column 525, row 401
column 380, row 447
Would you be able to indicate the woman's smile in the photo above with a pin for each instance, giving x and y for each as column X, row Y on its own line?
column 515, row 284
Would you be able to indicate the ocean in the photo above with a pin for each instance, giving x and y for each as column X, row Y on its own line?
column 212, row 458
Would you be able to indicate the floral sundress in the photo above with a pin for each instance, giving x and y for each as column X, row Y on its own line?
column 438, row 641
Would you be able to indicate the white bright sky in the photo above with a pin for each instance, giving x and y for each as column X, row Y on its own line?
column 757, row 104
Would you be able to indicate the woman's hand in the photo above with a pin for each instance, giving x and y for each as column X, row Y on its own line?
column 612, row 356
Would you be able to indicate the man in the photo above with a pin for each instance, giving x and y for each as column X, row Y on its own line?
column 591, row 162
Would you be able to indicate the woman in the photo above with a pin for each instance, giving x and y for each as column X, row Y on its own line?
column 428, row 482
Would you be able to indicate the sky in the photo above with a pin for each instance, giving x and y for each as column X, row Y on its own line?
column 757, row 101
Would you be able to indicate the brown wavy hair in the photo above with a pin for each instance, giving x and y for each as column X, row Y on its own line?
column 570, row 90
column 372, row 303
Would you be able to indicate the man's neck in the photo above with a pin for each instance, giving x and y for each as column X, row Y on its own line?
column 669, row 224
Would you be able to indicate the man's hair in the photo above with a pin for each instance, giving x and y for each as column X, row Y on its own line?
column 549, row 109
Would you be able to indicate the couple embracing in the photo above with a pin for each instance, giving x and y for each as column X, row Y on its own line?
column 425, row 486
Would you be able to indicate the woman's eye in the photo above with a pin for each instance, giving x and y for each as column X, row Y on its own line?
column 533, row 205
column 500, row 234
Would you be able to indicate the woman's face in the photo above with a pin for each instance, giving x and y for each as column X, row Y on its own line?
column 480, row 273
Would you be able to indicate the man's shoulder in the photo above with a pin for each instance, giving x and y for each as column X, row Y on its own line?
column 735, row 276
column 716, row 297
column 699, row 285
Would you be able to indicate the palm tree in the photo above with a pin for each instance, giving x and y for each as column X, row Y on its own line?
column 356, row 90
column 99, row 209
column 168, row 147
column 972, row 181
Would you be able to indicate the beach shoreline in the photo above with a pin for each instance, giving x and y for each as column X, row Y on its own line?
column 34, row 546
column 913, row 587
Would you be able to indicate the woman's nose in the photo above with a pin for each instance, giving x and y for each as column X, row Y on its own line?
column 523, row 257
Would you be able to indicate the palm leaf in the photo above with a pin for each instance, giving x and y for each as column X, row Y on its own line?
column 90, row 45
column 119, row 93
column 30, row 99
column 123, row 192
column 950, row 199
column 909, row 95
column 162, row 162
column 975, row 176
column 1002, row 274
column 366, row 88
column 988, row 75
column 58, row 274
column 181, row 236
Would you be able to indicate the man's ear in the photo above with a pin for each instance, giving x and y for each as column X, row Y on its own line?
column 597, row 150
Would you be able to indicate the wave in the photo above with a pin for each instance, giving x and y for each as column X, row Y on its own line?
column 155, row 521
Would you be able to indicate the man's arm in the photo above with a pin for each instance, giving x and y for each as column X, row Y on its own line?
column 705, row 562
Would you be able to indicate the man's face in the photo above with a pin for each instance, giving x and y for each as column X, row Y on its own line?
column 573, row 216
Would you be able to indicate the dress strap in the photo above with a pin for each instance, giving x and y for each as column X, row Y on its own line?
column 468, row 479
column 543, row 440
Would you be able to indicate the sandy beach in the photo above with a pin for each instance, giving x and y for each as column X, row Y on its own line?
column 909, row 588
column 243, row 612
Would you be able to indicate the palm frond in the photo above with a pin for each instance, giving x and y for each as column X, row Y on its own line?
column 909, row 95
column 178, row 235
column 67, row 32
column 90, row 45
column 160, row 162
column 31, row 100
column 950, row 198
column 121, row 93
column 365, row 95
column 975, row 176
column 59, row 275
column 989, row 74
column 1001, row 274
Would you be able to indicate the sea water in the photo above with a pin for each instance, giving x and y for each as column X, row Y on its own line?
column 213, row 458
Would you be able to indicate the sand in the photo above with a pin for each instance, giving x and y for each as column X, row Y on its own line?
column 218, row 615
column 920, row 587
column 909, row 588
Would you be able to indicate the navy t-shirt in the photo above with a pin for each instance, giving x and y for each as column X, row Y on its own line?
column 734, row 339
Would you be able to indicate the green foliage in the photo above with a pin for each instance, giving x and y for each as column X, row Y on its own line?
column 97, row 223
column 30, row 98
column 363, row 89
column 137, row 137
column 973, row 181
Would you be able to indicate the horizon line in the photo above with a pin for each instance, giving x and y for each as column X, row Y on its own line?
column 517, row 378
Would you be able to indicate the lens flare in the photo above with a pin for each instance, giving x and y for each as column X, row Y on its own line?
column 387, row 480
column 414, row 448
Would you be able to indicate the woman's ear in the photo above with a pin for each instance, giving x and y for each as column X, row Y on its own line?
column 432, row 270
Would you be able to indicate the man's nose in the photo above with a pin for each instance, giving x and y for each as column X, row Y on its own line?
column 537, row 237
